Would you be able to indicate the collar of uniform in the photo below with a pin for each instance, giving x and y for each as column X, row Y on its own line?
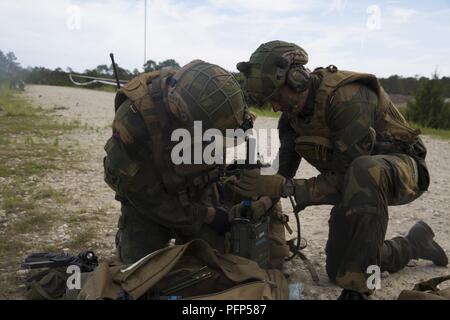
column 308, row 109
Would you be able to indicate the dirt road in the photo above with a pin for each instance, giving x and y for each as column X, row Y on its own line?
column 96, row 110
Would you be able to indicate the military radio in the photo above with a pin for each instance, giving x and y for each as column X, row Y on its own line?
column 249, row 238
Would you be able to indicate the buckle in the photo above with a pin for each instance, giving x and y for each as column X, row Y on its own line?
column 332, row 68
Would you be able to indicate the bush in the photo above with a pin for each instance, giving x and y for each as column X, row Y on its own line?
column 430, row 108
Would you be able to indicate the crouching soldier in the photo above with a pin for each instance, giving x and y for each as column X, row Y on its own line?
column 344, row 124
column 161, row 200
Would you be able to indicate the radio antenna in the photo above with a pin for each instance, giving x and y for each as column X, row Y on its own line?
column 145, row 32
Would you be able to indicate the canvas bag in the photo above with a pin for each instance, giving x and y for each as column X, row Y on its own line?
column 229, row 277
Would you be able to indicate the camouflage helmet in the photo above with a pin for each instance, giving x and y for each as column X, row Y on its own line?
column 267, row 69
column 205, row 92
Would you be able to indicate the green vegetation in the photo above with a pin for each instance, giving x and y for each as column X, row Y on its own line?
column 49, row 193
column 36, row 214
column 10, row 69
column 438, row 133
column 430, row 109
column 28, row 138
column 79, row 238
column 30, row 150
column 409, row 85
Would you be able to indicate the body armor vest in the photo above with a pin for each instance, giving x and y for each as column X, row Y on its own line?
column 145, row 95
column 314, row 140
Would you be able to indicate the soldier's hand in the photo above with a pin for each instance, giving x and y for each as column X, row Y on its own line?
column 252, row 184
column 257, row 209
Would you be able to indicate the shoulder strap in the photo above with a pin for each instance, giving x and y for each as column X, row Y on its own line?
column 333, row 79
column 159, row 133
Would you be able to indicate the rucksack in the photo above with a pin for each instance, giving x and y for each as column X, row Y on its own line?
column 190, row 271
column 47, row 284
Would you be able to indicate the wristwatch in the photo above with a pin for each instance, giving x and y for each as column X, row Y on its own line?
column 288, row 188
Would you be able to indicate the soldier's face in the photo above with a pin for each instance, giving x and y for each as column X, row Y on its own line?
column 287, row 100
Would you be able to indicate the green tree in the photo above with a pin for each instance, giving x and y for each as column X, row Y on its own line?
column 103, row 70
column 149, row 66
column 168, row 63
column 429, row 108
column 9, row 67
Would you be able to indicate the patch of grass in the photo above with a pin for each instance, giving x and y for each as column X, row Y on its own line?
column 101, row 211
column 51, row 247
column 49, row 193
column 28, row 168
column 13, row 202
column 30, row 139
column 4, row 140
column 439, row 133
column 13, row 106
column 81, row 239
column 11, row 247
column 30, row 148
column 31, row 223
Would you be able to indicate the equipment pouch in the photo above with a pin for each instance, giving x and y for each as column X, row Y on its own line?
column 315, row 149
column 120, row 169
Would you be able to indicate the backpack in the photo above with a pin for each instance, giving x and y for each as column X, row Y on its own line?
column 190, row 271
column 48, row 284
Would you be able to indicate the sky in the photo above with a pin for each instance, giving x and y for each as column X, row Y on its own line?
column 407, row 38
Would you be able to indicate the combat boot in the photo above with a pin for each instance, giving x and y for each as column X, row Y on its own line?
column 420, row 238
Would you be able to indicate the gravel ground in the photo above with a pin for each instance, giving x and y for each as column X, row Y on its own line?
column 95, row 108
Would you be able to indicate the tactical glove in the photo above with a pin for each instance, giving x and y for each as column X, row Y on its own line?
column 256, row 210
column 252, row 184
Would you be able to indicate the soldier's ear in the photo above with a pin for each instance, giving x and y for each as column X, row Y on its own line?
column 243, row 67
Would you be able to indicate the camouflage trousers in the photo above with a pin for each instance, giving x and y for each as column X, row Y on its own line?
column 357, row 225
column 138, row 236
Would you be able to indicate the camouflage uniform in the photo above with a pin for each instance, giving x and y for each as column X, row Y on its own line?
column 159, row 200
column 362, row 171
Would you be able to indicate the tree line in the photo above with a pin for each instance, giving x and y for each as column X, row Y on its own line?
column 429, row 108
column 10, row 69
